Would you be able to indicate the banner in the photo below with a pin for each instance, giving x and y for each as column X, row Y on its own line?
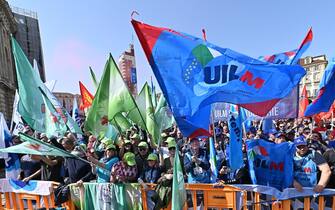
column 106, row 196
column 32, row 187
column 285, row 108
column 271, row 164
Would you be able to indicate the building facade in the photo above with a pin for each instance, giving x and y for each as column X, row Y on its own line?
column 315, row 67
column 28, row 36
column 7, row 68
column 127, row 68
column 66, row 99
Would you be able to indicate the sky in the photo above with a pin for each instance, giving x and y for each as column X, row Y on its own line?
column 77, row 34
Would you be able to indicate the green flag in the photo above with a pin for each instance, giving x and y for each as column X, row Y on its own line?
column 121, row 121
column 34, row 146
column 112, row 97
column 163, row 115
column 94, row 79
column 178, row 185
column 141, row 104
column 31, row 102
column 152, row 126
column 54, row 124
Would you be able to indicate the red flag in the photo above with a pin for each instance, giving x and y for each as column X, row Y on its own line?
column 86, row 97
column 303, row 103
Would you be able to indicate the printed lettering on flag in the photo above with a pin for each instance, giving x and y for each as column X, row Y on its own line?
column 271, row 164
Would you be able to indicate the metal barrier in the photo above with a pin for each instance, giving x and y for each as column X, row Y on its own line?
column 20, row 201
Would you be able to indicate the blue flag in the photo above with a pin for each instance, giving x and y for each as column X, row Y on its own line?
column 235, row 139
column 271, row 164
column 293, row 56
column 193, row 73
column 326, row 92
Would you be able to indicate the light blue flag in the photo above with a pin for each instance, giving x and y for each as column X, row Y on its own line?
column 212, row 160
column 235, row 142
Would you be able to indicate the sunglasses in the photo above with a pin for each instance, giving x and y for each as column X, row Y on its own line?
column 142, row 149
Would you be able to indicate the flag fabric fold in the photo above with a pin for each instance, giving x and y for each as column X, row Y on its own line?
column 303, row 102
column 325, row 97
column 193, row 73
column 34, row 146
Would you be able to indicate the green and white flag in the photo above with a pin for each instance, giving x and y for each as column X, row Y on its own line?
column 106, row 196
column 54, row 124
column 31, row 102
column 34, row 146
column 178, row 185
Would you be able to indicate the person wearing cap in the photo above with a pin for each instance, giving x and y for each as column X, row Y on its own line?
column 167, row 164
column 105, row 164
column 135, row 139
column 125, row 147
column 125, row 170
column 141, row 156
column 307, row 164
column 152, row 172
column 196, row 162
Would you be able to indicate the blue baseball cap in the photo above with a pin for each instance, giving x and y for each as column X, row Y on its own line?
column 300, row 141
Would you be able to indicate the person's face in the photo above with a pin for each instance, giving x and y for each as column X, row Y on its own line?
column 306, row 132
column 195, row 145
column 143, row 150
column 281, row 126
column 225, row 129
column 300, row 130
column 110, row 153
column 67, row 146
column 315, row 137
column 302, row 150
column 179, row 135
column 172, row 151
column 151, row 163
column 127, row 146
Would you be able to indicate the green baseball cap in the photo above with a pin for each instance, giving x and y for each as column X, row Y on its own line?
column 135, row 136
column 152, row 156
column 172, row 144
column 129, row 157
column 111, row 146
column 143, row 144
column 170, row 139
column 107, row 141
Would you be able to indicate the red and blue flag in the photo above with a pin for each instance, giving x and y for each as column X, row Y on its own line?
column 194, row 73
column 326, row 91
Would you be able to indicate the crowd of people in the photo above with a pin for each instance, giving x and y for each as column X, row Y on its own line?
column 134, row 157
